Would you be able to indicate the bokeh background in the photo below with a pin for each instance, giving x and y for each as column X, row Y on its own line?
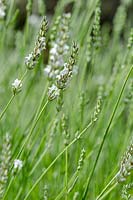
column 109, row 8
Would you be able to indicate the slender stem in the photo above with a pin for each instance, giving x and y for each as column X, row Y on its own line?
column 26, row 30
column 6, row 23
column 35, row 121
column 41, row 156
column 32, row 129
column 19, row 193
column 64, row 188
column 108, row 191
column 66, row 171
column 42, row 175
column 38, row 161
column 23, row 76
column 105, row 134
column 8, row 104
column 11, row 99
column 10, row 13
column 3, row 37
column 26, row 140
column 54, row 161
column 8, row 188
column 37, row 113
column 72, row 182
column 41, row 102
column 106, row 187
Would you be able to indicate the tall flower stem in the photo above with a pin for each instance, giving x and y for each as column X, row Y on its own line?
column 108, row 191
column 105, row 134
column 11, row 99
column 66, row 172
column 37, row 118
column 57, row 157
column 6, row 107
column 107, row 187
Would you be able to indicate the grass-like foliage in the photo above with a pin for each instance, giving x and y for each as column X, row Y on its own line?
column 66, row 102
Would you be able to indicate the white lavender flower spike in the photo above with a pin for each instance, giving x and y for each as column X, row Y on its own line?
column 126, row 165
column 16, row 86
column 53, row 92
column 32, row 59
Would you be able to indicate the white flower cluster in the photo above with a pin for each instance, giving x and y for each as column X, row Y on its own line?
column 18, row 164
column 53, row 92
column 40, row 45
column 16, row 86
column 2, row 9
column 62, row 79
column 126, row 165
column 65, row 75
column 125, row 191
column 59, row 48
column 59, row 72
column 81, row 160
column 56, row 60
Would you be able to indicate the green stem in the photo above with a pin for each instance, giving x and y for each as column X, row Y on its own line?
column 37, row 114
column 37, row 118
column 11, row 99
column 9, row 17
column 70, row 183
column 108, row 191
column 54, row 161
column 66, row 171
column 26, row 30
column 26, row 140
column 8, row 104
column 38, row 161
column 35, row 121
column 6, row 23
column 104, row 190
column 23, row 76
column 8, row 188
column 105, row 134
column 19, row 193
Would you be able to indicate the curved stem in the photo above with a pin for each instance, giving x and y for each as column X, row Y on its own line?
column 8, row 188
column 54, row 161
column 35, row 121
column 26, row 30
column 32, row 129
column 25, row 142
column 11, row 99
column 19, row 193
column 105, row 134
column 8, row 104
column 108, row 191
column 70, row 183
column 66, row 172
column 37, row 113
column 10, row 13
column 106, row 187
column 23, row 76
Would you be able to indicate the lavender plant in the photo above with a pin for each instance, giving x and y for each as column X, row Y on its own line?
column 69, row 109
